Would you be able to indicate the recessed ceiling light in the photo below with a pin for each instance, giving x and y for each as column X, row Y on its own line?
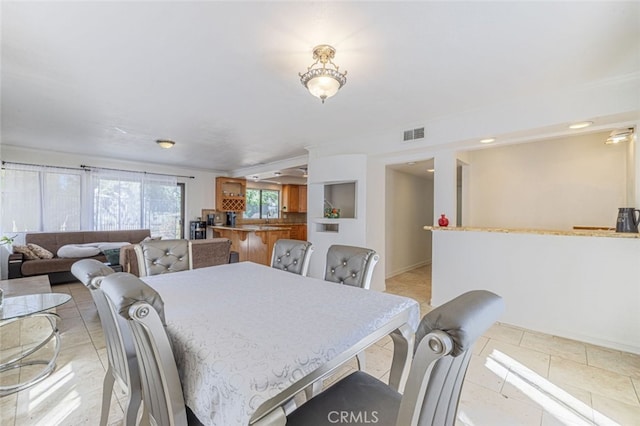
column 165, row 143
column 487, row 140
column 581, row 125
column 431, row 170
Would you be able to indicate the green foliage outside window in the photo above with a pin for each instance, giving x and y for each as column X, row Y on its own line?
column 262, row 204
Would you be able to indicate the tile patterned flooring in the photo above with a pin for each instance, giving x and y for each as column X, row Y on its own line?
column 516, row 376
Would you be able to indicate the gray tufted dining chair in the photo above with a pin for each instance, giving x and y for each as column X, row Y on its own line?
column 292, row 256
column 163, row 256
column 121, row 354
column 350, row 265
column 142, row 310
column 444, row 342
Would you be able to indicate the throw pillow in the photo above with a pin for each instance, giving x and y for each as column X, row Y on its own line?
column 41, row 252
column 151, row 239
column 26, row 251
column 76, row 251
column 113, row 255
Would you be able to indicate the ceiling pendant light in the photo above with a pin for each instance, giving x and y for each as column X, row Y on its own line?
column 323, row 82
column 165, row 143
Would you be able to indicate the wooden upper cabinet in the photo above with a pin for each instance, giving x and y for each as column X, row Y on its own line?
column 302, row 199
column 294, row 198
column 290, row 198
column 230, row 194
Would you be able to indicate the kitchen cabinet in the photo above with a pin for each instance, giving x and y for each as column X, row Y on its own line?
column 298, row 231
column 230, row 194
column 294, row 198
column 302, row 201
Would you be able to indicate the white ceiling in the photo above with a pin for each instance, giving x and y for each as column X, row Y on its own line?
column 221, row 78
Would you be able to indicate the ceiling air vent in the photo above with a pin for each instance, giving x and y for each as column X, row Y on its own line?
column 410, row 135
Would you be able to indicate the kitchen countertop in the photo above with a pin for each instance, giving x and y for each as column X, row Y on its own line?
column 250, row 228
column 572, row 233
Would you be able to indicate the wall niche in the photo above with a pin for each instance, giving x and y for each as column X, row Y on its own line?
column 340, row 200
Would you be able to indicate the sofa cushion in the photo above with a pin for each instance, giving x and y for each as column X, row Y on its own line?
column 47, row 266
column 41, row 252
column 25, row 251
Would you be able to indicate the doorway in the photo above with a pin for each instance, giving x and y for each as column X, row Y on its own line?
column 408, row 208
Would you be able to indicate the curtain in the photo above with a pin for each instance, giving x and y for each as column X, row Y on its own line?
column 37, row 198
column 133, row 200
column 50, row 199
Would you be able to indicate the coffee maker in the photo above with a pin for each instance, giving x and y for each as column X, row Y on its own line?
column 231, row 219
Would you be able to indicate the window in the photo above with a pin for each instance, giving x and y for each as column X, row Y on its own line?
column 262, row 204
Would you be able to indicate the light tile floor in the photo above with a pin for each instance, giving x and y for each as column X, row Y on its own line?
column 516, row 376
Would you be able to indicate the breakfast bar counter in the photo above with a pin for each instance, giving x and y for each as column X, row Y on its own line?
column 253, row 242
column 584, row 232
column 578, row 284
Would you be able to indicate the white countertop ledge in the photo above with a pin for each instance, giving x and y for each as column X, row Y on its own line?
column 570, row 233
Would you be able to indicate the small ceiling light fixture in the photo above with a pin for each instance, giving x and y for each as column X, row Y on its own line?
column 431, row 170
column 620, row 135
column 277, row 174
column 488, row 140
column 165, row 143
column 580, row 125
column 323, row 82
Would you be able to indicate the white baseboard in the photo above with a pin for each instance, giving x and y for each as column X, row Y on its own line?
column 407, row 269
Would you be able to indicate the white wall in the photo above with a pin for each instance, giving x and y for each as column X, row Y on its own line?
column 553, row 184
column 326, row 170
column 409, row 206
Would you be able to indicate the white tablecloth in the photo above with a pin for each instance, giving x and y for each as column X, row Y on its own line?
column 243, row 332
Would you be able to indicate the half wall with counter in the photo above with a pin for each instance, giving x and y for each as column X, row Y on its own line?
column 582, row 285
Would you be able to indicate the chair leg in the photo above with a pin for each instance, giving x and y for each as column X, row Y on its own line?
column 360, row 357
column 107, row 390
column 132, row 407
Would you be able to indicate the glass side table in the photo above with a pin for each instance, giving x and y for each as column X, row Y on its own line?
column 31, row 306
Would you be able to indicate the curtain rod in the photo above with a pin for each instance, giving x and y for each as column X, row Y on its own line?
column 88, row 168
column 85, row 167
column 41, row 165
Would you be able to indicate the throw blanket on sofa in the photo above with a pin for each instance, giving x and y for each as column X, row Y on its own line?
column 88, row 249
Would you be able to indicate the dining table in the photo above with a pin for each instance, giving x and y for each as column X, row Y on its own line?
column 247, row 337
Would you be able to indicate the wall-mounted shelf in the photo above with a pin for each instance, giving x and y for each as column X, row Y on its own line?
column 322, row 224
column 230, row 194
